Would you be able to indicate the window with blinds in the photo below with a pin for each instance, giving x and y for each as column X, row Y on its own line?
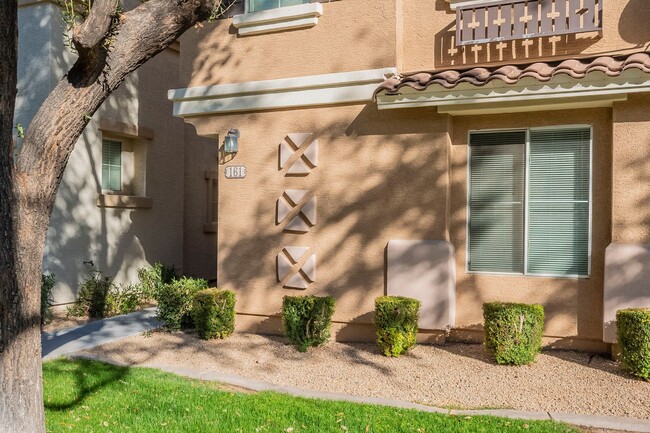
column 111, row 165
column 529, row 202
column 260, row 5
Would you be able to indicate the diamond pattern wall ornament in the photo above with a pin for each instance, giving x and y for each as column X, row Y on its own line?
column 297, row 267
column 298, row 154
column 300, row 213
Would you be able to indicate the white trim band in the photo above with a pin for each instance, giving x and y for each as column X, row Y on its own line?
column 561, row 92
column 278, row 19
column 328, row 89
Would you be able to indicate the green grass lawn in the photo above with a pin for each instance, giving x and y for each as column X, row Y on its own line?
column 87, row 396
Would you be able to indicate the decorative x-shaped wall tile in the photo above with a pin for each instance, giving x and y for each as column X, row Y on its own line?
column 299, row 154
column 296, row 267
column 298, row 209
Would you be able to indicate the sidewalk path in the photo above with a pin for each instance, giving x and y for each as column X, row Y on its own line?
column 96, row 333
column 93, row 334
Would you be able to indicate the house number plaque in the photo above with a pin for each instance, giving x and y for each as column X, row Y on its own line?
column 235, row 172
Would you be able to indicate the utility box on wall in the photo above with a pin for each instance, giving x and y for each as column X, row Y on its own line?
column 424, row 270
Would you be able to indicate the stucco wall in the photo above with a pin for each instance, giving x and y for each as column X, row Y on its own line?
column 199, row 244
column 117, row 240
column 380, row 176
column 573, row 306
column 429, row 32
column 631, row 189
column 628, row 258
column 36, row 23
column 120, row 240
column 351, row 35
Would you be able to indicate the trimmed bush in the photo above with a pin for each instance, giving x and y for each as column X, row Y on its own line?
column 92, row 297
column 213, row 311
column 152, row 278
column 124, row 299
column 513, row 332
column 307, row 320
column 175, row 301
column 396, row 324
column 48, row 281
column 633, row 326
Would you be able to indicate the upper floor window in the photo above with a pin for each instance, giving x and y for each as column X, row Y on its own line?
column 270, row 16
column 261, row 5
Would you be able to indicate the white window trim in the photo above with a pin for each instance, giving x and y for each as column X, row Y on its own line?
column 278, row 19
column 526, row 199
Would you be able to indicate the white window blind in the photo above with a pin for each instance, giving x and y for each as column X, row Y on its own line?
column 111, row 165
column 496, row 202
column 558, row 203
column 533, row 205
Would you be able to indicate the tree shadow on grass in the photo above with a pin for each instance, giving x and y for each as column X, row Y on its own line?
column 82, row 378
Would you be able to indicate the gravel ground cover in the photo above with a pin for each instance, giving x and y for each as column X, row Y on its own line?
column 459, row 376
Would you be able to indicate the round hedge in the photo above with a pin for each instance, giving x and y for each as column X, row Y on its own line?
column 633, row 327
column 396, row 324
column 513, row 332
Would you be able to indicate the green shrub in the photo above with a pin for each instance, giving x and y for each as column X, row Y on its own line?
column 153, row 277
column 124, row 299
column 513, row 332
column 175, row 301
column 213, row 312
column 633, row 326
column 307, row 319
column 92, row 297
column 396, row 324
column 48, row 281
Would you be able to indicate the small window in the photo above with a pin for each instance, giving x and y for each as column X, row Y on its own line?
column 111, row 165
column 124, row 163
column 530, row 202
column 261, row 5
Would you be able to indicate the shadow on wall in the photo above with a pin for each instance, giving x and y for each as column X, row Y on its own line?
column 632, row 28
column 121, row 240
column 403, row 194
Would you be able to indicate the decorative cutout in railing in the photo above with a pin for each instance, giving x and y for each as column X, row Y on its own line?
column 495, row 21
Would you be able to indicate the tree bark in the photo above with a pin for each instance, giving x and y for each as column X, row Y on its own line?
column 21, row 399
column 29, row 183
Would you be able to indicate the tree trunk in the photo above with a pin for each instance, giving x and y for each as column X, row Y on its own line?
column 28, row 185
column 21, row 393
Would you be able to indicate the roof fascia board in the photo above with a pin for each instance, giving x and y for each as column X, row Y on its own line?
column 328, row 89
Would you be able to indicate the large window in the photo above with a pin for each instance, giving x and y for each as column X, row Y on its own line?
column 260, row 5
column 530, row 201
column 111, row 165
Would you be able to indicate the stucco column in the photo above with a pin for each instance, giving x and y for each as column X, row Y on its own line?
column 627, row 259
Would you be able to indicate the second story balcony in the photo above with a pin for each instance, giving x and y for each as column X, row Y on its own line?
column 504, row 20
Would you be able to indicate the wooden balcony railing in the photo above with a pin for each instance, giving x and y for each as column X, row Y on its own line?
column 494, row 21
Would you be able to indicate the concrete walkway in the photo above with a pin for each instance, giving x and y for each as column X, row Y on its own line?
column 68, row 341
column 96, row 333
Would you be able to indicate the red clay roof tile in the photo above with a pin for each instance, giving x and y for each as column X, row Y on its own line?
column 613, row 66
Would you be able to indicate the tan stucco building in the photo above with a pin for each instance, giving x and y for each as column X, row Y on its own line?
column 456, row 151
column 516, row 167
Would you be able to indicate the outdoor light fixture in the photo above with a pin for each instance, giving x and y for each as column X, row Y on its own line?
column 231, row 142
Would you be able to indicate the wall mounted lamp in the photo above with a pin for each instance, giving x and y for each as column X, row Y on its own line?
column 231, row 142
